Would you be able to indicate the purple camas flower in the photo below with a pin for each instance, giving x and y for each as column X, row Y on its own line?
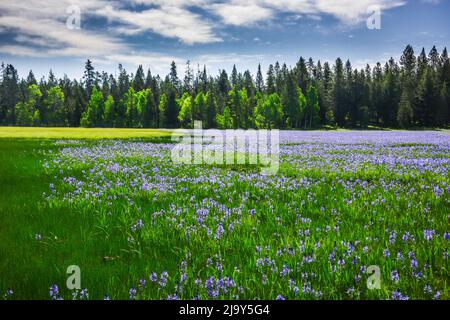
column 446, row 236
column 163, row 279
column 280, row 297
column 219, row 231
column 394, row 276
column 132, row 293
column 54, row 292
column 427, row 289
column 428, row 234
column 84, row 294
column 8, row 293
column 137, row 226
column 397, row 295
column 153, row 277
column 414, row 263
column 285, row 271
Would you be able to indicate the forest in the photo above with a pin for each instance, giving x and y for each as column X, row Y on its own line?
column 410, row 93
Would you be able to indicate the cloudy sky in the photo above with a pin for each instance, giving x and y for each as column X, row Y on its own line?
column 34, row 33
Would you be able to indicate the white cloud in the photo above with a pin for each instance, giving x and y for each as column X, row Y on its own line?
column 249, row 12
column 240, row 13
column 166, row 20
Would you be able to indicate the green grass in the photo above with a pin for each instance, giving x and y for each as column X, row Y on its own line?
column 80, row 133
column 94, row 232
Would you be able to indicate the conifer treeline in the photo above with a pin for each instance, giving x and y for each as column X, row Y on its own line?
column 411, row 93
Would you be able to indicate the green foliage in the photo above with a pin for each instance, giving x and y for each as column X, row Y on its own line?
column 93, row 116
column 405, row 111
column 269, row 112
column 109, row 116
column 27, row 112
column 225, row 120
column 55, row 113
column 186, row 115
column 311, row 114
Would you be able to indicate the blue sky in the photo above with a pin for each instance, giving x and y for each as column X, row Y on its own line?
column 218, row 33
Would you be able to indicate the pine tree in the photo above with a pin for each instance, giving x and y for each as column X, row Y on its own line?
column 211, row 110
column 312, row 107
column 339, row 96
column 270, row 89
column 173, row 76
column 188, row 83
column 302, row 75
column 139, row 81
column 259, row 80
column 405, row 111
column 88, row 77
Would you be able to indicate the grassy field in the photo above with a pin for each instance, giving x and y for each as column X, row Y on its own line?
column 139, row 226
column 79, row 133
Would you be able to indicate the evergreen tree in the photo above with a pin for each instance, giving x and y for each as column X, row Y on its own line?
column 139, row 79
column 405, row 111
column 259, row 80
column 88, row 77
column 270, row 87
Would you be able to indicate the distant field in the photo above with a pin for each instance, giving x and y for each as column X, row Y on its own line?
column 79, row 133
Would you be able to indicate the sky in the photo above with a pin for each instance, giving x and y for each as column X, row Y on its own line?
column 61, row 34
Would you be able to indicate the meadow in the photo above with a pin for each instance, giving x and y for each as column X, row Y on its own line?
column 112, row 202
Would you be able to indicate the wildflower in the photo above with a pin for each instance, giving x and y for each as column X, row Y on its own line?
column 220, row 231
column 446, row 236
column 106, row 297
column 54, row 292
column 137, row 226
column 285, row 271
column 153, row 277
column 427, row 289
column 84, row 294
column 8, row 293
column 437, row 295
column 394, row 276
column 414, row 263
column 428, row 234
column 280, row 297
column 132, row 293
column 397, row 295
column 38, row 237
